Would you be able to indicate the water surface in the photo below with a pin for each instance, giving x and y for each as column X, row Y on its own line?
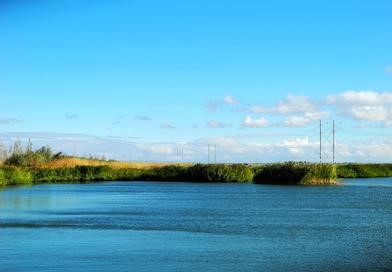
column 163, row 226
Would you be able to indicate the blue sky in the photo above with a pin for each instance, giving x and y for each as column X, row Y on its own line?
column 139, row 80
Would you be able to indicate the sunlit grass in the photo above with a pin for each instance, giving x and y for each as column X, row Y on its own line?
column 70, row 162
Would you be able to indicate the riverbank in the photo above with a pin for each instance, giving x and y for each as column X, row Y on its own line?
column 364, row 170
column 281, row 173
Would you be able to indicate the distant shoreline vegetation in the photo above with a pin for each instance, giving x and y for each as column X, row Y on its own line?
column 28, row 166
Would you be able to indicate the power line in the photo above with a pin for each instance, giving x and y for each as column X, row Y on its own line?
column 208, row 153
column 326, row 144
column 333, row 141
column 215, row 153
column 320, row 144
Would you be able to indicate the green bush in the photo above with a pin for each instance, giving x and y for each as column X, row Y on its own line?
column 292, row 173
column 3, row 181
column 30, row 158
column 15, row 176
column 220, row 173
column 282, row 173
column 320, row 174
column 166, row 173
column 357, row 170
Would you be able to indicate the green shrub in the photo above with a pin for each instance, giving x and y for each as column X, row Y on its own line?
column 357, row 170
column 3, row 181
column 15, row 176
column 220, row 173
column 292, row 173
column 282, row 173
column 28, row 157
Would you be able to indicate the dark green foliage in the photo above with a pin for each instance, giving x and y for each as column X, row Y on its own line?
column 84, row 174
column 284, row 173
column 167, row 173
column 15, row 176
column 293, row 173
column 28, row 157
column 357, row 170
column 196, row 173
column 220, row 173
column 320, row 174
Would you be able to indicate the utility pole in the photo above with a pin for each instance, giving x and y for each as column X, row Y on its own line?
column 333, row 141
column 215, row 153
column 320, row 143
column 208, row 153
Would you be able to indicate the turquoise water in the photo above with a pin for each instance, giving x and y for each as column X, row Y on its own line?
column 163, row 226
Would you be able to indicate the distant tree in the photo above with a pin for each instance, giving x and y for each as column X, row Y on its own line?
column 17, row 148
column 28, row 157
column 3, row 152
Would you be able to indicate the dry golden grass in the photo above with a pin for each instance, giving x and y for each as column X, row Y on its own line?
column 70, row 162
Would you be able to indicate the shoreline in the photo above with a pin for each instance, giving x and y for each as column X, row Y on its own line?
column 289, row 173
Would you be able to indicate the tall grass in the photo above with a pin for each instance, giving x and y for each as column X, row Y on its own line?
column 357, row 170
column 287, row 173
column 295, row 173
column 221, row 173
column 15, row 176
column 67, row 161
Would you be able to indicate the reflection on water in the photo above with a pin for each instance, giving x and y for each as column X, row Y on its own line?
column 369, row 182
column 25, row 201
column 148, row 226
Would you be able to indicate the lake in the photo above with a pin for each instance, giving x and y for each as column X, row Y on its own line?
column 165, row 226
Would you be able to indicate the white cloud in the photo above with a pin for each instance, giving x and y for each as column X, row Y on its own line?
column 260, row 109
column 360, row 98
column 255, row 123
column 212, row 106
column 230, row 100
column 9, row 121
column 370, row 113
column 317, row 115
column 298, row 110
column 388, row 69
column 305, row 119
column 144, row 118
column 363, row 105
column 229, row 148
column 167, row 126
column 295, row 104
column 297, row 146
column 291, row 104
column 296, row 121
column 158, row 149
column 217, row 124
column 71, row 115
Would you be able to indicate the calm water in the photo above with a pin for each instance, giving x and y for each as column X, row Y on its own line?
column 148, row 226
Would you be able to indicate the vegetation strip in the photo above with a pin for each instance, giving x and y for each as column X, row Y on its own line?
column 285, row 173
column 25, row 166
